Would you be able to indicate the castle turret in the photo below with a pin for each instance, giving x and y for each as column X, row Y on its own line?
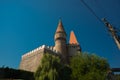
column 60, row 41
column 73, row 46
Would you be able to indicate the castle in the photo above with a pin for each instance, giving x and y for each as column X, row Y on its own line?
column 31, row 60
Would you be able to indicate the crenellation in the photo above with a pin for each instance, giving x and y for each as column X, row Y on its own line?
column 33, row 51
column 43, row 46
column 51, row 48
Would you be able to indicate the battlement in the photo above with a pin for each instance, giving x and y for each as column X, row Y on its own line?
column 31, row 60
column 40, row 49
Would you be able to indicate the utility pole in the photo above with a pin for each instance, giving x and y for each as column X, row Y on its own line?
column 113, row 31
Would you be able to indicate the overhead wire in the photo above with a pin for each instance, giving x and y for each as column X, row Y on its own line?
column 91, row 10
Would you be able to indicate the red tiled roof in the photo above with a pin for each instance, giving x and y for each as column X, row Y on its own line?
column 60, row 27
column 73, row 39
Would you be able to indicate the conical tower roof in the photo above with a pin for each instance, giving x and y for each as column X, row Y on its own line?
column 73, row 39
column 60, row 27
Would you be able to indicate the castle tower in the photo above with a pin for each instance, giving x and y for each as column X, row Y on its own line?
column 73, row 46
column 60, row 41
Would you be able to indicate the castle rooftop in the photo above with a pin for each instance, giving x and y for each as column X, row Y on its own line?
column 73, row 39
column 60, row 27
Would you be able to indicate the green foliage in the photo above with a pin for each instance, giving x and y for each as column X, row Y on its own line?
column 88, row 67
column 82, row 67
column 48, row 68
column 52, row 69
column 65, row 72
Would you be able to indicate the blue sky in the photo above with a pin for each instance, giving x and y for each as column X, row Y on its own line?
column 28, row 24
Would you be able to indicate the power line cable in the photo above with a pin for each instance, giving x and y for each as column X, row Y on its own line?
column 91, row 10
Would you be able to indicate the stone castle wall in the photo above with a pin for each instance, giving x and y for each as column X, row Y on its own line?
column 73, row 49
column 31, row 60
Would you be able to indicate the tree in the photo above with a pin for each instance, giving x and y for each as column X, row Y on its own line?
column 88, row 67
column 52, row 69
column 47, row 68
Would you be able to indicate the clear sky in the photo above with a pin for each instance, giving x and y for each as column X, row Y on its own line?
column 28, row 24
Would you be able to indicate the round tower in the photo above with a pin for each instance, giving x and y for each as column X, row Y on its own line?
column 60, row 41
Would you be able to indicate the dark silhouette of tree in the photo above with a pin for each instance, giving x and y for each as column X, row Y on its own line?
column 9, row 73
